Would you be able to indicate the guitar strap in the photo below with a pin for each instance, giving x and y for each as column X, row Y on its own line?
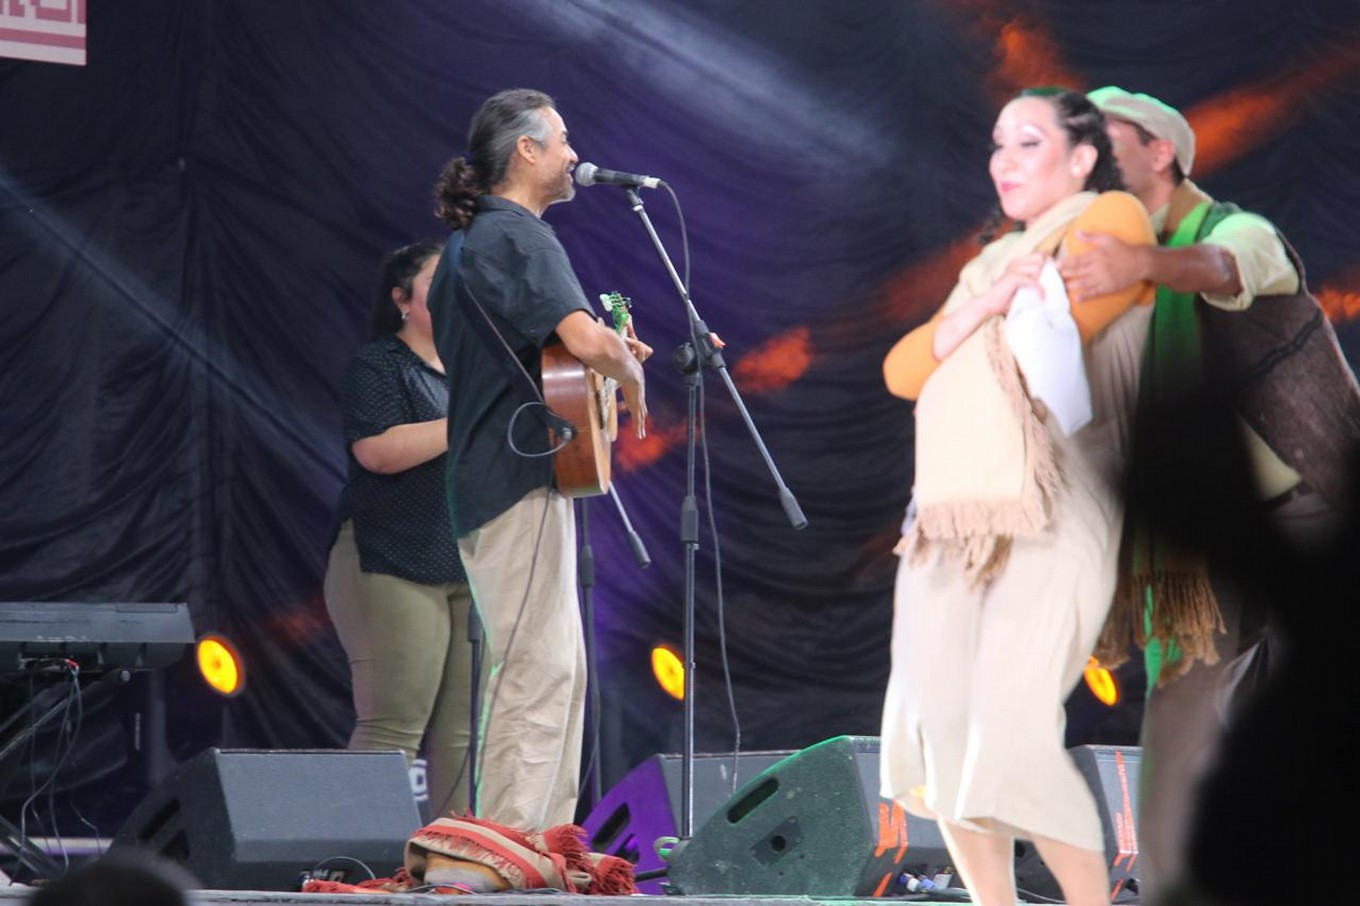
column 480, row 320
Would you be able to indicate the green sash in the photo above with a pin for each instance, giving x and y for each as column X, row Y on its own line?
column 1170, row 357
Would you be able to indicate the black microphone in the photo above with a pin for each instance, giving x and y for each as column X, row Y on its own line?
column 589, row 175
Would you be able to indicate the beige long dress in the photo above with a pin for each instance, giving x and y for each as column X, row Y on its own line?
column 973, row 718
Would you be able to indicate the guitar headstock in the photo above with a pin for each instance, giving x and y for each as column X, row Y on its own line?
column 619, row 307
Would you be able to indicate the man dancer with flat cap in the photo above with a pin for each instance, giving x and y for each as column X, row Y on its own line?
column 1230, row 294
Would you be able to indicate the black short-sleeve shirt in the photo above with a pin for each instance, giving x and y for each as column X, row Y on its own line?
column 514, row 266
column 401, row 521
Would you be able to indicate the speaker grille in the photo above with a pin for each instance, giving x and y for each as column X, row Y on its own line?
column 256, row 819
column 812, row 824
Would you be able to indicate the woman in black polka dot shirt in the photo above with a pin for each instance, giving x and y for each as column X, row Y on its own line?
column 395, row 587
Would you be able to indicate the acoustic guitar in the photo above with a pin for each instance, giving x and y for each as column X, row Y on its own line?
column 588, row 400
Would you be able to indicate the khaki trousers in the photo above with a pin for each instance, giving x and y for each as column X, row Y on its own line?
column 410, row 667
column 522, row 568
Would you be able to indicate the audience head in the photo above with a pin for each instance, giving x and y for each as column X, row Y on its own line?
column 119, row 880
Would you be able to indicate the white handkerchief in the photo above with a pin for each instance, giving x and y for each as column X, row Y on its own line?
column 1047, row 345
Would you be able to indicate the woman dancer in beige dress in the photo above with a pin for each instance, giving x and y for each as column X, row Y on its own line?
column 1009, row 556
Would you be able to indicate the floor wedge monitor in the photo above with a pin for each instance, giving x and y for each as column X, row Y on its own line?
column 811, row 824
column 644, row 808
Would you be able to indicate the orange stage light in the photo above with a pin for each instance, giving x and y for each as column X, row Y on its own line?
column 1102, row 683
column 669, row 669
column 220, row 664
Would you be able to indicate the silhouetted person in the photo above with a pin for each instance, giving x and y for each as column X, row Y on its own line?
column 1258, row 830
column 124, row 880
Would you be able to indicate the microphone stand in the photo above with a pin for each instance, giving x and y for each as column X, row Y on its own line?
column 475, row 638
column 585, row 571
column 585, row 575
column 690, row 358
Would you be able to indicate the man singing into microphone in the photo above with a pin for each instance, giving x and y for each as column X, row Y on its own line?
column 516, row 533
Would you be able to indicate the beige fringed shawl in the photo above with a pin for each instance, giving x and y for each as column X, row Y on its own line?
column 1164, row 602
column 985, row 469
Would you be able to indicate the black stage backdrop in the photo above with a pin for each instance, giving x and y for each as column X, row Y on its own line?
column 189, row 232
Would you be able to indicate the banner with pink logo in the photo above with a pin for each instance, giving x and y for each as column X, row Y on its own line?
column 52, row 31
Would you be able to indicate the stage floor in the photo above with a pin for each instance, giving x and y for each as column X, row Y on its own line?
column 17, row 896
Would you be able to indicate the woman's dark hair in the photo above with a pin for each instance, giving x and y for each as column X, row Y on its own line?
column 1085, row 125
column 495, row 129
column 398, row 271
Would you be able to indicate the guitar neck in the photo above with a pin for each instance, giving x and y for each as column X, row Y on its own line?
column 619, row 307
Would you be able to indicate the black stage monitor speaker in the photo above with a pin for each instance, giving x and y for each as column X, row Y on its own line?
column 813, row 824
column 1112, row 773
column 257, row 819
column 645, row 806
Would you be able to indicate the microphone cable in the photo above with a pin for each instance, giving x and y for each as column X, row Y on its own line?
column 721, row 598
column 64, row 748
column 708, row 497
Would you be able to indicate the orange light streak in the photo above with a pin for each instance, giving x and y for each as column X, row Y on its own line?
column 776, row 364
